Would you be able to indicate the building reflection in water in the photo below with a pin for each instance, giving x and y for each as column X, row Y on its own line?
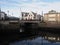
column 52, row 38
column 42, row 38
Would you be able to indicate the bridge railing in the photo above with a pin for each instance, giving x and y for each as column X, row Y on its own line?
column 30, row 20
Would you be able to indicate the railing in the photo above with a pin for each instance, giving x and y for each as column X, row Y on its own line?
column 30, row 20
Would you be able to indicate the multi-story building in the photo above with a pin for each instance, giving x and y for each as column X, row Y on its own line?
column 29, row 15
column 52, row 17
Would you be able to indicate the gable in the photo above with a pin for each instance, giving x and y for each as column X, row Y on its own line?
column 31, row 14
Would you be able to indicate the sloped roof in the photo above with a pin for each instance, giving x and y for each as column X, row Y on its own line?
column 26, row 13
column 34, row 13
column 29, row 13
column 3, row 12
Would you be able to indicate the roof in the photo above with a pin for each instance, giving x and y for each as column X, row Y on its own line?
column 34, row 13
column 3, row 12
column 26, row 13
column 29, row 12
column 52, row 12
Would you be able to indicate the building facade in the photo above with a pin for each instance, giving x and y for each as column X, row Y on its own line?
column 52, row 17
column 39, row 17
column 3, row 15
column 29, row 15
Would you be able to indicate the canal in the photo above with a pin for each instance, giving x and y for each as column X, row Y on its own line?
column 33, row 38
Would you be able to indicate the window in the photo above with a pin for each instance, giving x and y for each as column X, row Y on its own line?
column 52, row 15
column 51, row 19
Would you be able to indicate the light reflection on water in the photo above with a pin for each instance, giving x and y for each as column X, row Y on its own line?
column 21, row 30
column 40, row 39
column 37, row 41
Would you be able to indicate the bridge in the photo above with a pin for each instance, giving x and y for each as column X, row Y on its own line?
column 30, row 21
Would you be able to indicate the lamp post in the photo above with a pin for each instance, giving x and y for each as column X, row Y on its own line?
column 42, row 17
column 0, row 13
column 8, row 12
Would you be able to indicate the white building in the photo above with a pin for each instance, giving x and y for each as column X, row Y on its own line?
column 2, row 15
column 29, row 16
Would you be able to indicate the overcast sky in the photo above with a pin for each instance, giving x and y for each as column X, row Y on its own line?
column 16, row 6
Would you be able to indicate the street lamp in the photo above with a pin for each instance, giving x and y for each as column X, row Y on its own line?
column 0, row 13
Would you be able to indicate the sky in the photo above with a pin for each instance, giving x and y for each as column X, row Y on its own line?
column 15, row 7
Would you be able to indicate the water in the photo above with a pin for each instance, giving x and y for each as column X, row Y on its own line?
column 40, row 38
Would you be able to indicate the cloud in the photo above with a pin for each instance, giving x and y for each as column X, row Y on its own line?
column 24, row 0
column 41, row 6
column 34, row 0
column 1, row 2
column 32, row 6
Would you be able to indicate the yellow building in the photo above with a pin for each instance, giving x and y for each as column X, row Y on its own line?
column 52, row 17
